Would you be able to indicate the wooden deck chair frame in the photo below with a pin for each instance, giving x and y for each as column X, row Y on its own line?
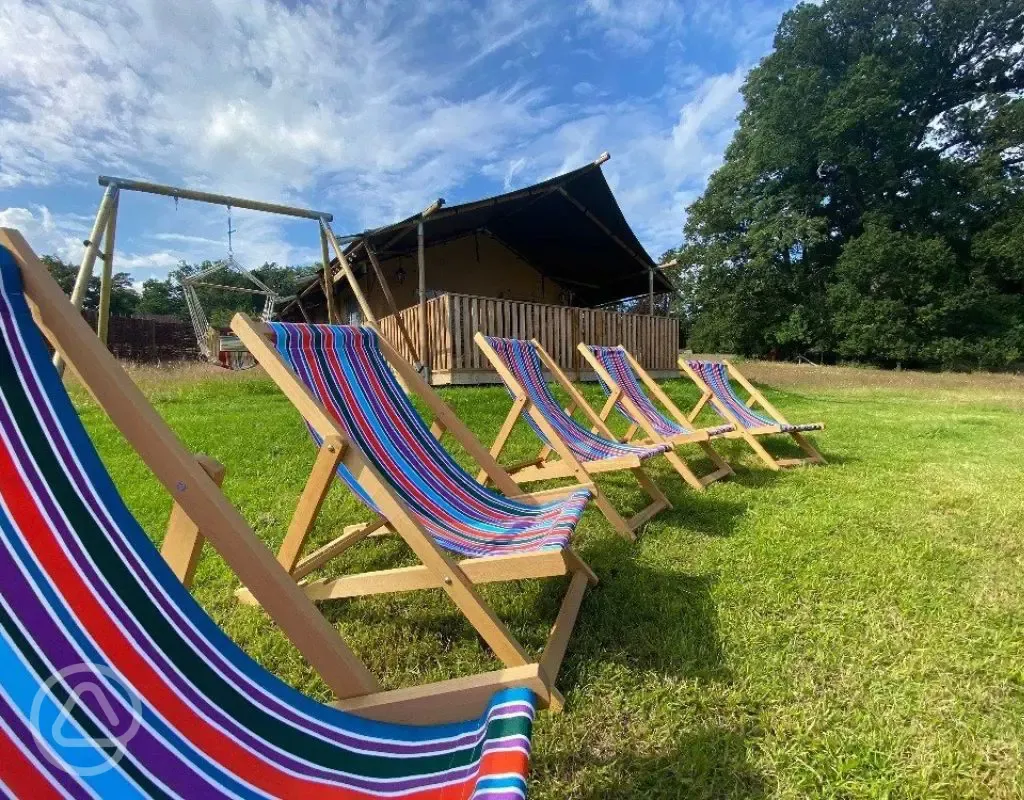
column 544, row 467
column 198, row 497
column 639, row 422
column 751, row 435
column 437, row 569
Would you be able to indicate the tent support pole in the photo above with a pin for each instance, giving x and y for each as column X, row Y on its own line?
column 421, row 258
column 390, row 298
column 325, row 254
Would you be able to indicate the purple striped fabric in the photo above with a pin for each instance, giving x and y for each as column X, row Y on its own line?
column 716, row 375
column 614, row 360
column 82, row 588
column 522, row 360
column 345, row 369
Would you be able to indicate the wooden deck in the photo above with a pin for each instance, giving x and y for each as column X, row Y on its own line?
column 453, row 319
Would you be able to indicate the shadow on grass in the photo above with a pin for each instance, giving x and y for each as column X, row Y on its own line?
column 709, row 763
column 702, row 513
column 642, row 617
column 648, row 620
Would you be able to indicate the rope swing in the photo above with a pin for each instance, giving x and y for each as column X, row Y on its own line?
column 224, row 350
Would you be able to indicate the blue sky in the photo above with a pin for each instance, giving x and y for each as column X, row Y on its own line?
column 368, row 110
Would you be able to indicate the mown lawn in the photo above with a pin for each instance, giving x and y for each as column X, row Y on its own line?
column 848, row 631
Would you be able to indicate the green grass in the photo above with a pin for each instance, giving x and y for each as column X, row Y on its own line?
column 848, row 631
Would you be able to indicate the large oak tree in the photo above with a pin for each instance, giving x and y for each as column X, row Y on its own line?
column 870, row 205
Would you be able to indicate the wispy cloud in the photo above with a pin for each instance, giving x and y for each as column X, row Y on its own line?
column 370, row 109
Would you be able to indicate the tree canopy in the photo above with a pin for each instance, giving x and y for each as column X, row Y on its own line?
column 870, row 205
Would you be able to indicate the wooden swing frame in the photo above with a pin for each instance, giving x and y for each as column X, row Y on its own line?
column 639, row 422
column 751, row 435
column 437, row 569
column 100, row 244
column 567, row 465
column 203, row 512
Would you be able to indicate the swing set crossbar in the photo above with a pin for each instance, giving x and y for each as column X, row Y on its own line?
column 130, row 185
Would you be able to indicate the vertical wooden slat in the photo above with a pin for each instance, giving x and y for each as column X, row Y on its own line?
column 453, row 319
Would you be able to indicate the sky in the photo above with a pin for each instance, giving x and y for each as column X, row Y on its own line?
column 367, row 110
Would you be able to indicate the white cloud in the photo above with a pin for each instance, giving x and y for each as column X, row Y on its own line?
column 48, row 233
column 259, row 98
column 370, row 109
column 630, row 23
column 656, row 169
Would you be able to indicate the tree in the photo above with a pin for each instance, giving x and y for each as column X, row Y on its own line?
column 162, row 297
column 869, row 205
column 123, row 297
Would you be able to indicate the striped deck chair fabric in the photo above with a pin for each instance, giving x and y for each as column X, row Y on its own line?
column 614, row 360
column 345, row 369
column 115, row 683
column 716, row 375
column 520, row 356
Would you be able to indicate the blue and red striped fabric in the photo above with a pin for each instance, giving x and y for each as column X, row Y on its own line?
column 345, row 369
column 614, row 360
column 716, row 375
column 520, row 356
column 116, row 684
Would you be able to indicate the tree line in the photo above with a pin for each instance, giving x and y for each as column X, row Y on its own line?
column 870, row 204
column 164, row 297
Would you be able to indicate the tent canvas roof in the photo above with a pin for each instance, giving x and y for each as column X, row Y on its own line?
column 570, row 228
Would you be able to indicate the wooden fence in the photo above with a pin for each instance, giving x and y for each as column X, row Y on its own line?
column 148, row 340
column 453, row 319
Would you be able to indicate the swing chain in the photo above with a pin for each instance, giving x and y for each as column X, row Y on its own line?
column 231, row 251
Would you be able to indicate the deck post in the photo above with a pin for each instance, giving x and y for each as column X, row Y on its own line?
column 650, row 291
column 421, row 258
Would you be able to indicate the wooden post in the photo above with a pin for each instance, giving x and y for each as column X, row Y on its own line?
column 325, row 253
column 650, row 291
column 92, row 250
column 346, row 270
column 421, row 258
column 372, row 255
column 184, row 541
column 107, row 276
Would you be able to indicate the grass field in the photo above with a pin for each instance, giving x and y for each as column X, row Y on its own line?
column 850, row 631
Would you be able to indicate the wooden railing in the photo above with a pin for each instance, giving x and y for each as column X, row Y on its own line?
column 453, row 319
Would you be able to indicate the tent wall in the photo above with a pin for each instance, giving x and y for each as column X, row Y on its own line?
column 476, row 264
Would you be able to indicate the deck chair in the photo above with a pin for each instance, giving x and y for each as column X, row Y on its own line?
column 713, row 380
column 340, row 379
column 581, row 452
column 115, row 682
column 617, row 371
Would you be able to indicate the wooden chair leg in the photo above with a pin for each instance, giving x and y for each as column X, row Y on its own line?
column 321, row 478
column 757, row 447
column 684, row 470
column 659, row 502
column 618, row 522
column 506, row 429
column 184, row 541
column 805, row 444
